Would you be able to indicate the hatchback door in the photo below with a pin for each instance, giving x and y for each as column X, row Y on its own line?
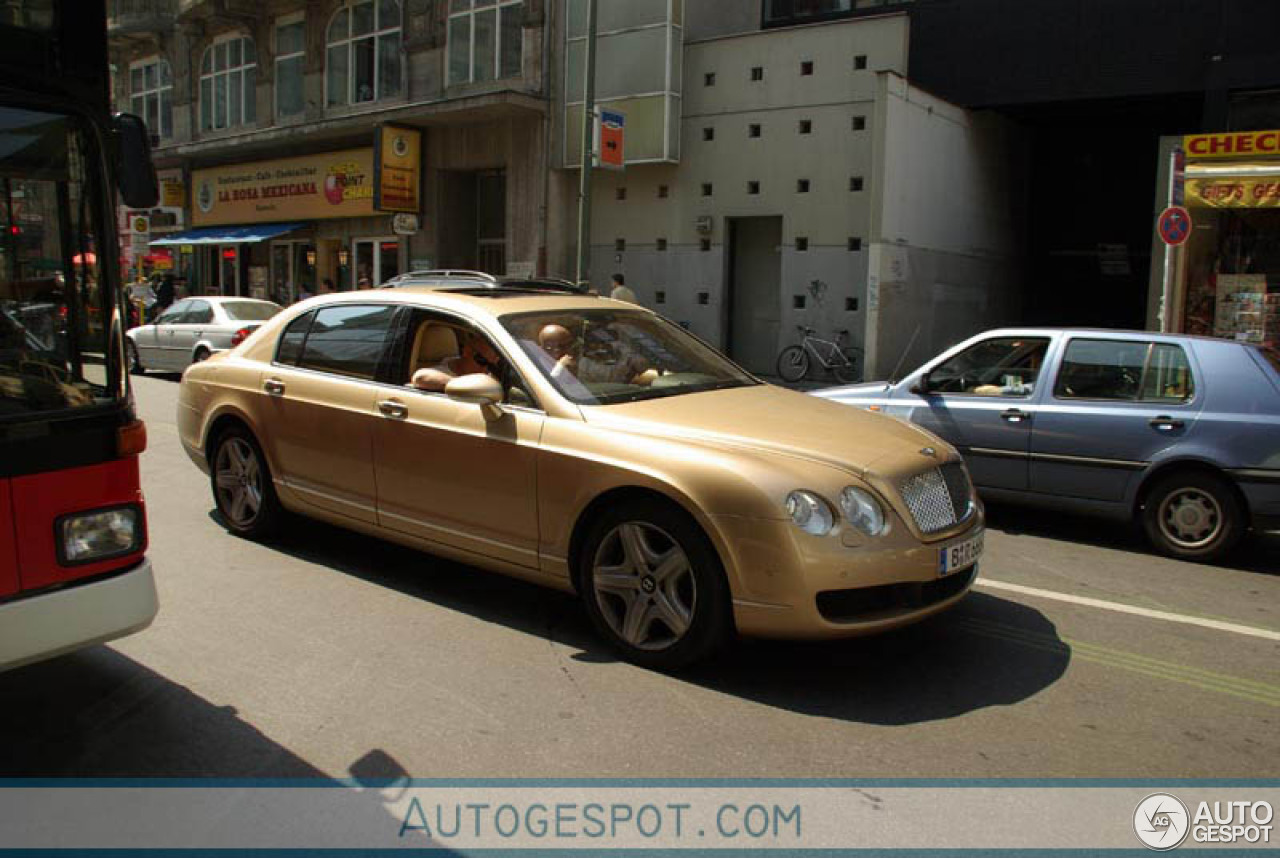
column 983, row 400
column 319, row 413
column 1114, row 405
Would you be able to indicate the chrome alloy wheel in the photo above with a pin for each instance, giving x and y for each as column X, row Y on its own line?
column 1190, row 517
column 644, row 585
column 239, row 481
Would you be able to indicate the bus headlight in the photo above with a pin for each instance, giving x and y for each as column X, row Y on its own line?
column 87, row 537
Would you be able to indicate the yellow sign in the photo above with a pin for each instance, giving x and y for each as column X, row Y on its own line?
column 1235, row 192
column 334, row 184
column 172, row 193
column 399, row 159
column 1200, row 147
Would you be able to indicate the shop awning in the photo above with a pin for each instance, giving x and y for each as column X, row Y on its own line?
column 228, row 234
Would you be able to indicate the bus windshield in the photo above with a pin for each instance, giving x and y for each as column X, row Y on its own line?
column 55, row 317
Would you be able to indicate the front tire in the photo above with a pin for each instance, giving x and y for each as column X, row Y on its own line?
column 654, row 586
column 242, row 487
column 135, row 360
column 1193, row 516
column 793, row 363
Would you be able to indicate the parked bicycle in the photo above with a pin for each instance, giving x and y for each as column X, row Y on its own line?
column 845, row 363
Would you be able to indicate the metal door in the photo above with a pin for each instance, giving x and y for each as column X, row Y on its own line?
column 755, row 292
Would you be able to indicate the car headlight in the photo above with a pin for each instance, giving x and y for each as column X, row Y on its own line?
column 862, row 510
column 810, row 513
column 100, row 535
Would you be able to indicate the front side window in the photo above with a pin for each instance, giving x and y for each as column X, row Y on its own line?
column 1003, row 366
column 602, row 357
column 347, row 340
column 484, row 40
column 1125, row 371
column 57, row 337
column 174, row 314
column 291, row 45
column 362, row 54
column 151, row 95
column 228, row 83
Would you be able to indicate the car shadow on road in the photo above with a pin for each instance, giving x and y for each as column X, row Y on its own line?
column 987, row 651
column 1257, row 553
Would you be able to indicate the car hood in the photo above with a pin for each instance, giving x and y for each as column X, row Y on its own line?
column 772, row 419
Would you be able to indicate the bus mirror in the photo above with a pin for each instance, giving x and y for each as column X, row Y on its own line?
column 136, row 175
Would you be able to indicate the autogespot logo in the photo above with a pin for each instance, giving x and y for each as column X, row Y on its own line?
column 1161, row 821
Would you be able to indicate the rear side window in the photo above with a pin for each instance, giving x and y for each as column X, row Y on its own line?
column 1126, row 371
column 290, row 348
column 199, row 314
column 348, row 340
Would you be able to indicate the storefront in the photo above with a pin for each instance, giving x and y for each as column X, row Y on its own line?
column 1224, row 279
column 278, row 229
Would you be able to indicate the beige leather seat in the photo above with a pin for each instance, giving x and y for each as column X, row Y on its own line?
column 432, row 344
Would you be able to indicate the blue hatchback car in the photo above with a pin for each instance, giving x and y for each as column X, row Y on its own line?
column 1180, row 433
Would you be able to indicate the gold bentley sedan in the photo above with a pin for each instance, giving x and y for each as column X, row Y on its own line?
column 589, row 445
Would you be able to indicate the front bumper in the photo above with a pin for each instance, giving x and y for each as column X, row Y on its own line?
column 788, row 584
column 50, row 624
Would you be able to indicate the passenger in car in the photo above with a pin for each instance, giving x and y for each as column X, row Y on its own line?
column 475, row 355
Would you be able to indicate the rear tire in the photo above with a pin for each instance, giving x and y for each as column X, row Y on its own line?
column 242, row 486
column 653, row 585
column 201, row 355
column 793, row 363
column 1193, row 515
column 848, row 373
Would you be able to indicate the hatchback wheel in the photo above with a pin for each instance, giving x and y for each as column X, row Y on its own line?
column 1194, row 516
column 242, row 487
column 654, row 586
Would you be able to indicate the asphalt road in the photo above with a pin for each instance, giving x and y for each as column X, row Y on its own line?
column 328, row 654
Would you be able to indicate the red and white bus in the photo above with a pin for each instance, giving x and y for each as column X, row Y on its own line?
column 73, row 530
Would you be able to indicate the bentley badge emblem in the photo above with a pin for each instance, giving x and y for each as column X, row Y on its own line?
column 929, row 451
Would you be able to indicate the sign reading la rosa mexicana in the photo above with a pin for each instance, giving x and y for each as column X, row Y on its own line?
column 329, row 185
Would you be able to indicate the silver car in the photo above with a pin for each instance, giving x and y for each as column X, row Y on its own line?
column 194, row 328
column 1178, row 432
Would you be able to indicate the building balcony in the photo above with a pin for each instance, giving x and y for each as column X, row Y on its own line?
column 135, row 17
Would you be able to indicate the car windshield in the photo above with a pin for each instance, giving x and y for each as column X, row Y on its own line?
column 250, row 311
column 603, row 357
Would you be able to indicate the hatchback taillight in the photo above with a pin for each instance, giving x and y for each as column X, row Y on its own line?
column 239, row 336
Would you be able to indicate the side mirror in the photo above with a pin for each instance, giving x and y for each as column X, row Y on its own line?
column 921, row 386
column 134, row 171
column 479, row 389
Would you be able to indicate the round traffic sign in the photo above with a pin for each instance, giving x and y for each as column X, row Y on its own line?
column 1174, row 225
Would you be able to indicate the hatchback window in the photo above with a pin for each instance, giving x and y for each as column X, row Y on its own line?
column 348, row 340
column 1168, row 375
column 1102, row 369
column 250, row 311
column 1003, row 366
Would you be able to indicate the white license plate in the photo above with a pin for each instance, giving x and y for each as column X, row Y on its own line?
column 959, row 555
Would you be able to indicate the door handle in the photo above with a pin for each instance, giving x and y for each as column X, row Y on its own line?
column 273, row 387
column 1013, row 415
column 1165, row 424
column 392, row 408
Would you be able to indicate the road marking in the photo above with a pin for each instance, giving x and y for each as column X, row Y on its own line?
column 1219, row 625
column 1166, row 671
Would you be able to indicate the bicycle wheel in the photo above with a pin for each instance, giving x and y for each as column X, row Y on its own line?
column 793, row 363
column 850, row 369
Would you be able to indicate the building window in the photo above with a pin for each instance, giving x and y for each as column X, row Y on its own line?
column 708, row 134
column 753, row 187
column 660, row 296
column 663, row 192
column 620, row 194
column 806, row 126
column 859, row 123
column 151, row 94
column 753, row 130
column 855, row 244
column 704, row 244
column 706, row 189
column 802, row 244
column 784, row 13
column 619, row 245
column 709, row 79
column 662, row 244
column 802, row 186
column 228, row 84
column 362, row 53
column 855, row 183
column 485, row 40
column 860, row 62
column 291, row 52
column 757, row 73
column 806, row 68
